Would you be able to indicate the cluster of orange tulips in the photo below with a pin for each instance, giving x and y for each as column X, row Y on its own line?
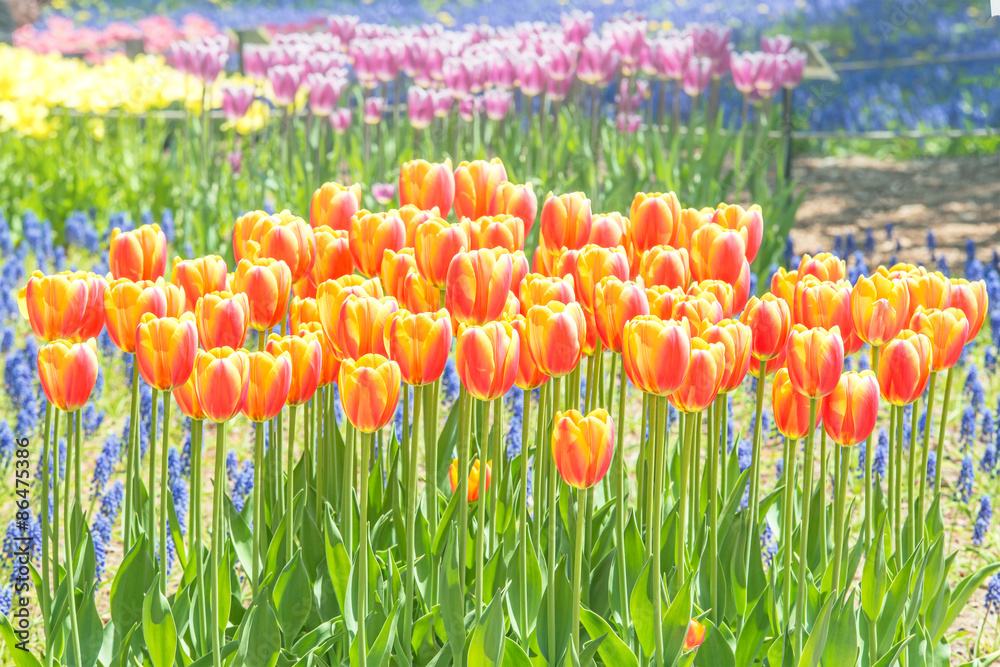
column 357, row 296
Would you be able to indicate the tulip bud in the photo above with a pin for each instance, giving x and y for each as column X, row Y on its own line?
column 395, row 266
column 140, row 254
column 717, row 253
column 486, row 358
column 769, row 320
column 435, row 244
column 529, row 375
column 165, row 350
column 198, row 277
column 92, row 323
column 714, row 290
column 734, row 336
column 476, row 185
column 566, row 221
column 222, row 381
column 656, row 354
column 477, row 286
column 791, row 409
column 333, row 260
column 516, row 200
column 371, row 234
column 904, row 367
column 427, row 185
column 67, row 373
column 557, row 334
column 582, row 447
column 700, row 310
column 306, row 353
column 825, row 266
column 56, row 306
column 269, row 379
column 419, row 343
column 267, row 285
column 654, row 220
column 333, row 205
column 369, row 391
column 595, row 263
column 616, row 303
column 972, row 299
column 850, row 411
column 501, row 231
column 125, row 303
column 695, row 632
column 947, row 330
column 748, row 222
column 473, row 478
column 222, row 319
column 815, row 359
column 664, row 265
column 703, row 378
column 879, row 306
column 360, row 326
column 783, row 285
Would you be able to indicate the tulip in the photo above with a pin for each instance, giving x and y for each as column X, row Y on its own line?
column 419, row 343
column 699, row 310
column 664, row 265
column 516, row 200
column 427, row 185
column 176, row 300
column 395, row 266
column 270, row 378
column 477, row 286
column 566, row 220
column 695, row 635
column 371, row 234
column 717, row 253
column 331, row 295
column 849, row 412
column 662, row 299
column 418, row 295
column 690, row 221
column 331, row 364
column 783, row 285
column 769, row 320
column 905, row 367
column 703, row 379
column 198, row 277
column 594, row 264
column 827, row 305
column 244, row 228
column 476, row 184
column 735, row 339
column 301, row 312
column 791, row 409
column 486, row 358
column 289, row 239
column 947, row 330
column 825, row 266
column 654, row 220
column 582, row 447
column 815, row 359
column 538, row 290
column 267, row 285
column 306, row 353
column 412, row 218
column 165, row 350
column 529, row 375
column 557, row 334
column 972, row 299
column 656, row 354
column 879, row 306
column 222, row 319
column 222, row 382
column 187, row 398
column 748, row 222
column 333, row 260
column 473, row 495
column 333, row 206
column 56, row 306
column 369, row 391
column 125, row 303
column 436, row 243
column 67, row 373
column 501, row 231
column 930, row 290
column 616, row 303
column 360, row 326
column 714, row 290
column 93, row 320
column 140, row 254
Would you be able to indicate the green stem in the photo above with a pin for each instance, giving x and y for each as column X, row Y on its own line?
column 620, row 507
column 430, row 473
column 46, row 572
column 650, row 477
column 939, row 464
column 838, row 528
column 411, row 520
column 823, row 495
column 290, row 486
column 807, row 475
column 918, row 523
column 755, row 461
column 258, row 501
column 553, row 511
column 194, row 522
column 77, row 463
column 218, row 533
column 713, row 509
column 687, row 429
column 641, row 479
column 464, row 415
column 868, row 469
column 481, row 502
column 909, row 476
column 496, row 456
column 163, row 492
column 367, row 441
column 786, row 531
column 898, row 506
column 151, row 485
column 55, row 497
column 539, row 465
column 724, row 441
column 660, row 404
column 67, row 517
column 522, row 526
column 347, row 487
column 581, row 522
column 70, row 575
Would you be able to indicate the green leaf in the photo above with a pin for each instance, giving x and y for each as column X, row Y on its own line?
column 452, row 597
column 813, row 649
column 961, row 596
column 444, row 523
column 381, row 650
column 613, row 650
column 292, row 598
column 643, row 615
column 563, row 594
column 873, row 578
column 21, row 658
column 158, row 628
column 91, row 631
column 486, row 647
column 260, row 637
column 134, row 576
column 895, row 602
column 715, row 651
column 242, row 538
column 675, row 623
column 175, row 531
column 934, row 572
column 225, row 588
column 533, row 576
column 513, row 655
column 757, row 626
column 842, row 638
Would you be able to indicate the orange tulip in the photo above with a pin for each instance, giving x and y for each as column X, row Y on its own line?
column 426, row 185
column 476, row 185
column 815, row 359
column 412, row 218
column 656, row 354
column 654, row 218
column 516, row 200
column 850, row 411
column 486, row 358
column 519, row 267
column 593, row 265
column 269, row 380
column 418, row 295
column 302, row 311
column 333, row 260
column 771, row 366
column 529, row 375
column 284, row 237
column 748, row 222
column 165, row 348
column 331, row 364
column 667, row 266
column 93, row 320
column 538, row 290
column 436, row 244
column 699, row 309
column 331, row 296
column 306, row 352
column 125, row 303
column 333, row 205
column 825, row 266
column 717, row 253
column 565, row 263
column 616, row 302
column 783, row 285
column 473, row 478
column 947, row 330
column 566, row 221
column 395, row 266
column 477, row 286
column 557, row 334
column 879, row 306
column 221, row 379
column 690, row 221
column 511, row 308
column 662, row 299
column 770, row 321
column 905, row 367
column 827, row 305
column 67, row 372
column 244, row 229
column 140, row 254
column 419, row 343
column 371, row 234
column 971, row 299
column 582, row 447
column 369, row 391
column 735, row 339
column 222, row 319
column 187, row 397
column 198, row 277
column 714, row 290
column 56, row 306
column 267, row 285
column 472, row 231
column 501, row 231
column 703, row 380
column 176, row 300
column 360, row 326
column 610, row 230
column 741, row 288
column 791, row 409
column 930, row 290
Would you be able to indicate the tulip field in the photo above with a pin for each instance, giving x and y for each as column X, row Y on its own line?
column 474, row 347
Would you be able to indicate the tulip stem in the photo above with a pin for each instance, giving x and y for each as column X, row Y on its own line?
column 939, row 463
column 918, row 524
column 430, row 473
column 70, row 575
column 838, row 517
column 910, row 545
column 822, row 514
column 258, row 501
column 464, row 418
column 755, row 459
column 650, row 475
column 641, row 480
column 367, row 442
column 67, row 517
column 218, row 532
column 620, row 508
column 163, row 492
column 481, row 499
column 695, row 508
column 522, row 526
column 290, row 486
column 496, row 454
column 868, row 466
column 347, row 490
column 897, row 495
column 45, row 517
column 788, row 527
column 539, row 465
column 552, row 510
column 77, row 463
column 581, row 522
column 55, row 496
column 411, row 519
column 660, row 405
column 194, row 521
column 807, row 477
column 713, row 508
column 132, row 462
column 151, row 486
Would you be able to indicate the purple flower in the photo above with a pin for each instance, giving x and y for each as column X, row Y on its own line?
column 384, row 192
column 236, row 101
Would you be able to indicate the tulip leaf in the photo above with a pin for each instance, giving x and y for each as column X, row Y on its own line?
column 133, row 579
column 895, row 602
column 513, row 655
column 452, row 596
column 715, row 650
column 292, row 598
column 873, row 578
column 444, row 525
column 338, row 562
column 260, row 637
column 842, row 637
column 158, row 628
column 813, row 649
column 175, row 531
column 21, row 658
column 533, row 586
column 613, row 650
column 756, row 627
column 563, row 594
column 486, row 647
column 963, row 592
column 675, row 623
column 381, row 649
column 242, row 538
column 641, row 608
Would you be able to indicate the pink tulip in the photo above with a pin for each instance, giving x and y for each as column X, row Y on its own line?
column 498, row 103
column 324, row 92
column 777, row 44
column 365, row 60
column 340, row 120
column 420, row 107
column 285, row 81
column 577, row 26
column 443, row 100
column 628, row 122
column 388, row 59
column 629, row 37
column 343, row 27
column 469, row 106
column 696, row 75
column 236, row 101
column 562, row 60
column 384, row 192
column 502, row 73
column 558, row 89
column 598, row 61
column 532, row 75
column 256, row 61
column 791, row 66
column 374, row 107
column 671, row 56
